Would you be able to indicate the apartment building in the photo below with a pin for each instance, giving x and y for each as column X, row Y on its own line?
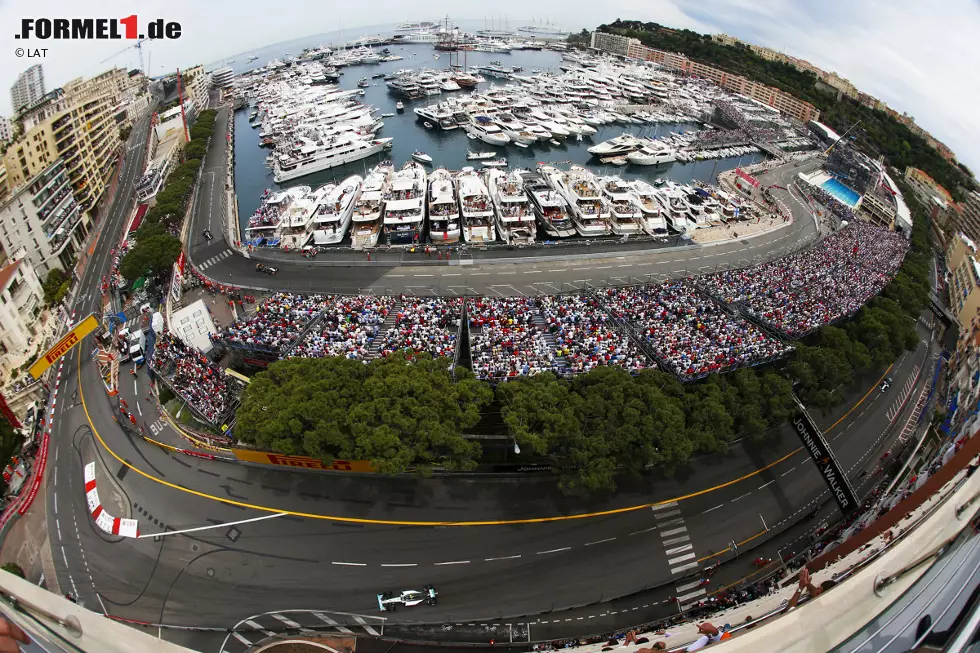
column 21, row 301
column 964, row 279
column 967, row 216
column 196, row 84
column 6, row 129
column 28, row 89
column 43, row 218
column 76, row 124
column 632, row 48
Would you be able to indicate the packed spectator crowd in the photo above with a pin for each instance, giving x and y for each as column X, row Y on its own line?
column 424, row 324
column 191, row 376
column 349, row 326
column 276, row 323
column 584, row 336
column 506, row 341
column 819, row 195
column 798, row 294
column 691, row 334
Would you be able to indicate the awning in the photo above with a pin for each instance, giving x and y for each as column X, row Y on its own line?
column 140, row 212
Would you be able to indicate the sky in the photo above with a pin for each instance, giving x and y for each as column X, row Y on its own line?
column 916, row 56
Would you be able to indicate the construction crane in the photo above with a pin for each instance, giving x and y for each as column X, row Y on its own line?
column 139, row 48
column 832, row 145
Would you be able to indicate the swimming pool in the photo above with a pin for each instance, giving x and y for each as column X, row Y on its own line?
column 841, row 192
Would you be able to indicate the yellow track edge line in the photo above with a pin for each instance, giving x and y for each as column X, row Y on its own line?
column 390, row 522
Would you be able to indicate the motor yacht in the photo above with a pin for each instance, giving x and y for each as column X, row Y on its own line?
column 335, row 151
column 294, row 229
column 483, row 128
column 550, row 208
column 475, row 207
column 443, row 209
column 652, row 218
column 652, row 153
column 333, row 216
column 626, row 216
column 404, row 210
column 369, row 206
column 590, row 211
column 512, row 208
column 619, row 146
column 263, row 226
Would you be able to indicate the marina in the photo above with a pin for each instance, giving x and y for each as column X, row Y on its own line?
column 531, row 138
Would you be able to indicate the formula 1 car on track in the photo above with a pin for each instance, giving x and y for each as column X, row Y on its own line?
column 268, row 269
column 389, row 601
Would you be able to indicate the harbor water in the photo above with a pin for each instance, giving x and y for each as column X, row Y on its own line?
column 448, row 148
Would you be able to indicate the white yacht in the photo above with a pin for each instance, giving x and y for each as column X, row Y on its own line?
column 336, row 151
column 442, row 208
column 674, row 200
column 264, row 224
column 404, row 209
column 515, row 217
column 653, row 220
column 651, row 154
column 367, row 210
column 590, row 211
column 483, row 128
column 550, row 207
column 475, row 207
column 618, row 146
column 626, row 215
column 295, row 225
column 333, row 217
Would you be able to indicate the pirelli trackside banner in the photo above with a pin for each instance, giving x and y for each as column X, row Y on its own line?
column 301, row 462
column 827, row 465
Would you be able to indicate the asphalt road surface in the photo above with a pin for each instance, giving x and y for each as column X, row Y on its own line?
column 327, row 543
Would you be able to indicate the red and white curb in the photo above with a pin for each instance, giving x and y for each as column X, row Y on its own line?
column 105, row 521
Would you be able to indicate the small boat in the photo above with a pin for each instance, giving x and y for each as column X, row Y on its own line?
column 435, row 56
column 554, row 142
column 479, row 156
column 387, row 115
column 399, row 107
column 377, row 76
column 428, row 125
column 363, row 82
column 520, row 144
column 470, row 135
column 421, row 156
column 499, row 163
column 615, row 160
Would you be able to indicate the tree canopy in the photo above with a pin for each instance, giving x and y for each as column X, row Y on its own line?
column 154, row 255
column 56, row 285
column 396, row 414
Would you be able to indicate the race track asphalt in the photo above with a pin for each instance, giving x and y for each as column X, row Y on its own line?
column 218, row 577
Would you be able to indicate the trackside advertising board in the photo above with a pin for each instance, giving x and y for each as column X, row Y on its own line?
column 301, row 462
column 64, row 345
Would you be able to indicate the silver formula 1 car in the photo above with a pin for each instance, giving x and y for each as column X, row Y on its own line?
column 389, row 601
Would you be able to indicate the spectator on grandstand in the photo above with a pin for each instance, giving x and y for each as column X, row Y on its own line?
column 349, row 326
column 806, row 585
column 192, row 376
column 506, row 340
column 424, row 324
column 276, row 324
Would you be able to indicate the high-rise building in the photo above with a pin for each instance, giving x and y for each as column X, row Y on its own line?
column 76, row 124
column 28, row 89
column 42, row 218
column 6, row 129
column 21, row 301
column 967, row 216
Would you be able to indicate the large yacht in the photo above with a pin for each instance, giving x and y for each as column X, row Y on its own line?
column 515, row 217
column 550, row 207
column 651, row 154
column 618, row 146
column 484, row 128
column 653, row 220
column 590, row 211
column 333, row 217
column 625, row 211
column 265, row 223
column 340, row 149
column 404, row 209
column 674, row 200
column 367, row 210
column 295, row 225
column 443, row 209
column 475, row 207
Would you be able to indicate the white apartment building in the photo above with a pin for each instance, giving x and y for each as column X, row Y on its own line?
column 43, row 218
column 21, row 301
column 28, row 89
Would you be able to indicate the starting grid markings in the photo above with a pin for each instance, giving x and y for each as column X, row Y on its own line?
column 679, row 550
column 214, row 259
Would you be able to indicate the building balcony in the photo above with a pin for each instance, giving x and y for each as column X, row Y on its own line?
column 60, row 237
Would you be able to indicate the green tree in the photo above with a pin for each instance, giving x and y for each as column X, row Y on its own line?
column 56, row 285
column 124, row 132
column 396, row 414
column 154, row 255
column 13, row 568
column 196, row 149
